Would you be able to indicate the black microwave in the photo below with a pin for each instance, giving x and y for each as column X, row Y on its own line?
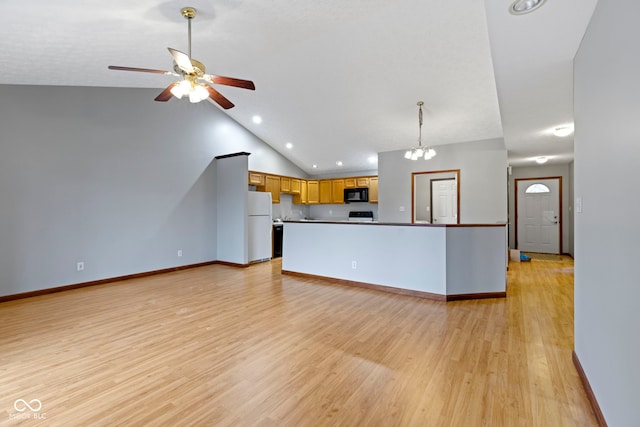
column 352, row 195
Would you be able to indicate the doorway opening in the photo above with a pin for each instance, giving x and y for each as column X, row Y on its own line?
column 435, row 197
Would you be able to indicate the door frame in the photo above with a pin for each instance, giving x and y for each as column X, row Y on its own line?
column 515, row 193
column 431, row 181
column 413, row 191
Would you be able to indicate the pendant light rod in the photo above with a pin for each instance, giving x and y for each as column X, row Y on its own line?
column 420, row 104
column 189, row 13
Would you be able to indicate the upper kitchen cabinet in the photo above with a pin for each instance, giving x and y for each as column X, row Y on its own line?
column 349, row 183
column 301, row 198
column 295, row 186
column 373, row 190
column 313, row 192
column 362, row 182
column 337, row 191
column 257, row 179
column 285, row 184
column 325, row 191
column 272, row 185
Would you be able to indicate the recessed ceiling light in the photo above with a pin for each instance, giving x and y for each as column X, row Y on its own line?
column 541, row 160
column 289, row 145
column 563, row 131
column 315, row 166
column 520, row 7
column 373, row 159
column 257, row 119
column 339, row 163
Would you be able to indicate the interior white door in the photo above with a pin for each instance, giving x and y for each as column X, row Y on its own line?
column 444, row 201
column 538, row 215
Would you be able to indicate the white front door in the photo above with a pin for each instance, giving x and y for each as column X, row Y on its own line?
column 538, row 215
column 444, row 201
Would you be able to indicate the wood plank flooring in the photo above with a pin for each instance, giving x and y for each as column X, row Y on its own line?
column 224, row 346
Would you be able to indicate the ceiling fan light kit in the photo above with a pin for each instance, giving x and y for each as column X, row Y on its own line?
column 420, row 152
column 195, row 83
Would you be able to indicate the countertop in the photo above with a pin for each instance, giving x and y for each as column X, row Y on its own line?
column 322, row 221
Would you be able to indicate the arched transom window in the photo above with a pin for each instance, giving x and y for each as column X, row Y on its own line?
column 537, row 188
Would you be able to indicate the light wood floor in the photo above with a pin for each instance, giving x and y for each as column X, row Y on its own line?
column 218, row 346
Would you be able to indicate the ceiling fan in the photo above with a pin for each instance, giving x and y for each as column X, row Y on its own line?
column 195, row 83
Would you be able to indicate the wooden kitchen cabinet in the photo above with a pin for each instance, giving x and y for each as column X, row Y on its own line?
column 285, row 184
column 313, row 192
column 373, row 190
column 349, row 183
column 337, row 191
column 295, row 186
column 301, row 198
column 362, row 182
column 272, row 185
column 257, row 179
column 325, row 191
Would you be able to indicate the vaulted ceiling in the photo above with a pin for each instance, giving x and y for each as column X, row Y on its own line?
column 338, row 80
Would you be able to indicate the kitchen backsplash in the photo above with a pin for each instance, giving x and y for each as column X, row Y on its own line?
column 341, row 212
column 286, row 209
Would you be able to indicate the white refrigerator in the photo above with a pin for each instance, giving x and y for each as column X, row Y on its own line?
column 260, row 226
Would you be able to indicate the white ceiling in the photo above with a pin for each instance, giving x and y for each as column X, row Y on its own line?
column 339, row 80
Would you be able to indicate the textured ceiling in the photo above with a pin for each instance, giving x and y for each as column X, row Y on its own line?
column 339, row 80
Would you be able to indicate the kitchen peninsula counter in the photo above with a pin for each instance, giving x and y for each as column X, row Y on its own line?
column 438, row 261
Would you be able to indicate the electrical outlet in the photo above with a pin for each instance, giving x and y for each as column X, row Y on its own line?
column 401, row 208
column 179, row 252
column 80, row 266
column 354, row 265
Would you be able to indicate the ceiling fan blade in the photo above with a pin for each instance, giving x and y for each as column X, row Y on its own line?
column 219, row 98
column 140, row 70
column 230, row 81
column 166, row 94
column 183, row 60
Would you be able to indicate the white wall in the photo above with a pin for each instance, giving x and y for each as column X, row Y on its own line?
column 109, row 177
column 483, row 181
column 607, row 232
column 231, row 209
column 544, row 171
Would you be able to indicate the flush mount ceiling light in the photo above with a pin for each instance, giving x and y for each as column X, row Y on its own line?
column 563, row 131
column 420, row 151
column 541, row 160
column 257, row 119
column 521, row 7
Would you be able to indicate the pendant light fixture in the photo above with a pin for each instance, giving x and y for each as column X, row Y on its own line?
column 420, row 151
